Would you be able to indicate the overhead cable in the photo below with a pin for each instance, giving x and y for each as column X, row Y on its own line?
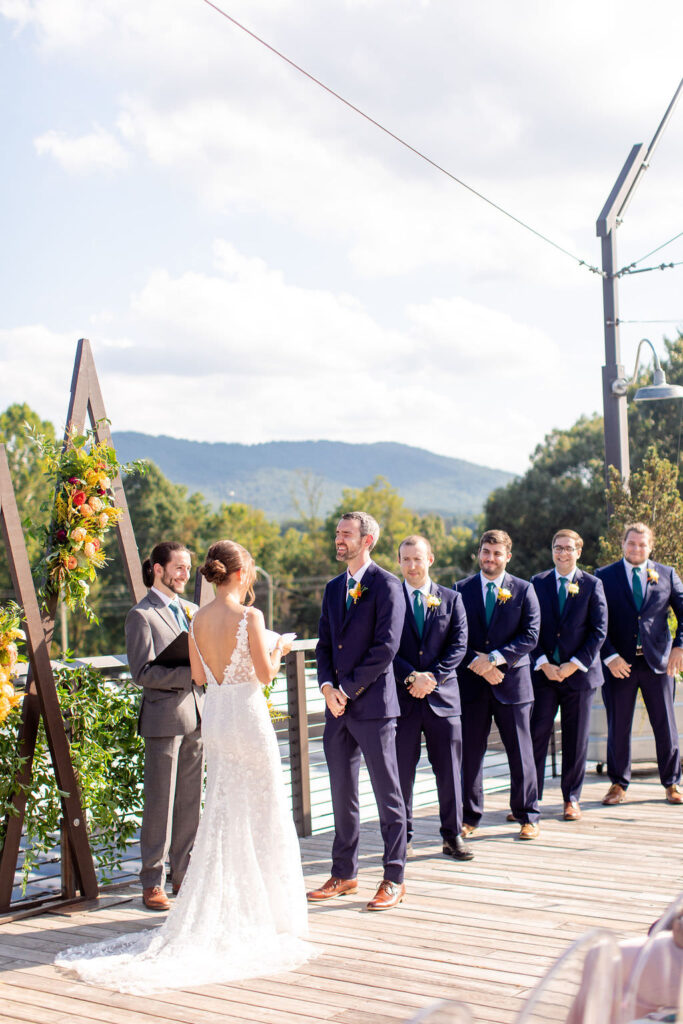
column 402, row 142
column 635, row 263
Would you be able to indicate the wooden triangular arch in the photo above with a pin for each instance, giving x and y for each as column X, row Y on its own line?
column 41, row 696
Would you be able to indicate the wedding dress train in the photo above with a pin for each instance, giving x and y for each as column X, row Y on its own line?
column 241, row 911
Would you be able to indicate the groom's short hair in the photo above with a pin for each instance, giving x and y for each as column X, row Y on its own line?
column 367, row 525
column 496, row 537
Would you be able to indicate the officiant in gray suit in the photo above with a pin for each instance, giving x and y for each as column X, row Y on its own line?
column 169, row 722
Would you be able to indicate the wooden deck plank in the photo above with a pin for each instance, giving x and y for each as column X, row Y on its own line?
column 482, row 932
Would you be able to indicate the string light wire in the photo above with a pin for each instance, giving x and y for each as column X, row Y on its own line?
column 402, row 142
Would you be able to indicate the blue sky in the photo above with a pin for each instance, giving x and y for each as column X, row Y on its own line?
column 252, row 261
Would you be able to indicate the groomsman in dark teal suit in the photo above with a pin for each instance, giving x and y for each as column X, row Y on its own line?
column 503, row 621
column 433, row 643
column 639, row 654
column 567, row 663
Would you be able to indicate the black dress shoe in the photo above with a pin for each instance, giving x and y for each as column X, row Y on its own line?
column 457, row 848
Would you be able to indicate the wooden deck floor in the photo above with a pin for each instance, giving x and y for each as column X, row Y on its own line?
column 482, row 932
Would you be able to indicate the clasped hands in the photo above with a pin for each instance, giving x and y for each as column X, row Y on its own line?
column 621, row 669
column 558, row 673
column 423, row 684
column 335, row 700
column 481, row 666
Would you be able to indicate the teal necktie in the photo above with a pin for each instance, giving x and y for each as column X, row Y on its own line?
column 637, row 588
column 349, row 599
column 562, row 598
column 179, row 615
column 418, row 609
column 490, row 601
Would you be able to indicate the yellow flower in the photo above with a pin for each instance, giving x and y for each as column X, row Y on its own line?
column 653, row 576
column 572, row 589
column 504, row 595
column 357, row 592
column 189, row 614
column 433, row 601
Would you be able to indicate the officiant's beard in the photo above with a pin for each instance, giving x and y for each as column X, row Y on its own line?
column 347, row 552
column 174, row 583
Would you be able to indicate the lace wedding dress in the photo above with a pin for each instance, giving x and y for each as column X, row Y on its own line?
column 241, row 911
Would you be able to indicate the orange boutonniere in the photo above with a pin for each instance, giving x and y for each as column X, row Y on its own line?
column 189, row 614
column 652, row 576
column 433, row 601
column 357, row 592
column 504, row 595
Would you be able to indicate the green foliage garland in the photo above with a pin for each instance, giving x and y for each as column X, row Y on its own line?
column 107, row 755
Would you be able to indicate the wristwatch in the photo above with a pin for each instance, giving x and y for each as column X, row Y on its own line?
column 492, row 659
column 409, row 680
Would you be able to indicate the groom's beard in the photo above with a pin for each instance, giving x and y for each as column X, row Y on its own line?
column 346, row 553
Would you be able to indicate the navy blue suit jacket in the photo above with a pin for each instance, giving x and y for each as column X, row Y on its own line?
column 513, row 632
column 579, row 632
column 356, row 648
column 439, row 650
column 625, row 622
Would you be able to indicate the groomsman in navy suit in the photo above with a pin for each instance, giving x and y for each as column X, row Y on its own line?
column 567, row 663
column 503, row 621
column 639, row 654
column 359, row 633
column 433, row 644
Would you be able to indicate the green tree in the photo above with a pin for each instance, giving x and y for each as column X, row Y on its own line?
column 26, row 473
column 652, row 497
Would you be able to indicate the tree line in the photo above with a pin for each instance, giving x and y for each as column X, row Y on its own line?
column 563, row 487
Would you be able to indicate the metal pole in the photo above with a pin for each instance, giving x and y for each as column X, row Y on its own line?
column 269, row 584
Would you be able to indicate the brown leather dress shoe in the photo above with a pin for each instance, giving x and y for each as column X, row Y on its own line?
column 572, row 811
column 674, row 794
column 529, row 831
column 155, row 898
column 333, row 887
column 468, row 830
column 510, row 817
column 389, row 895
column 616, row 794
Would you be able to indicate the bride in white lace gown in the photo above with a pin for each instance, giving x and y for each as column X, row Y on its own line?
column 241, row 911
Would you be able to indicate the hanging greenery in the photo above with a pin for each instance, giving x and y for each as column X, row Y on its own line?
column 81, row 514
column 107, row 755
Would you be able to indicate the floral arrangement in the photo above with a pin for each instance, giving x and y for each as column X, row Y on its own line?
column 653, row 576
column 83, row 512
column 572, row 589
column 357, row 592
column 10, row 632
column 504, row 595
column 433, row 601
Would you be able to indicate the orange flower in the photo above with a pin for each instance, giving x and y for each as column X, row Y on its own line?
column 95, row 503
column 89, row 549
column 71, row 562
column 85, row 511
column 79, row 534
column 103, row 520
column 78, row 498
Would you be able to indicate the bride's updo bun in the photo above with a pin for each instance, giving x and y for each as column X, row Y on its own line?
column 224, row 558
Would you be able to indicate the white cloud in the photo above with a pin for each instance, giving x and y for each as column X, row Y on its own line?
column 99, row 150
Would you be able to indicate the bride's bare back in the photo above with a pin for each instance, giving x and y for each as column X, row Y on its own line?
column 215, row 633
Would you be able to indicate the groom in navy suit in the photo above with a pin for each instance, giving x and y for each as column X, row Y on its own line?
column 433, row 644
column 503, row 621
column 639, row 654
column 567, row 663
column 358, row 637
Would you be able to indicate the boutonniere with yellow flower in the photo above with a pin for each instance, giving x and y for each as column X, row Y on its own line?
column 189, row 613
column 357, row 592
column 572, row 589
column 504, row 595
column 433, row 601
column 652, row 576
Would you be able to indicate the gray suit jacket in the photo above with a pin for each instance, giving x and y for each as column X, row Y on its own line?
column 171, row 702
